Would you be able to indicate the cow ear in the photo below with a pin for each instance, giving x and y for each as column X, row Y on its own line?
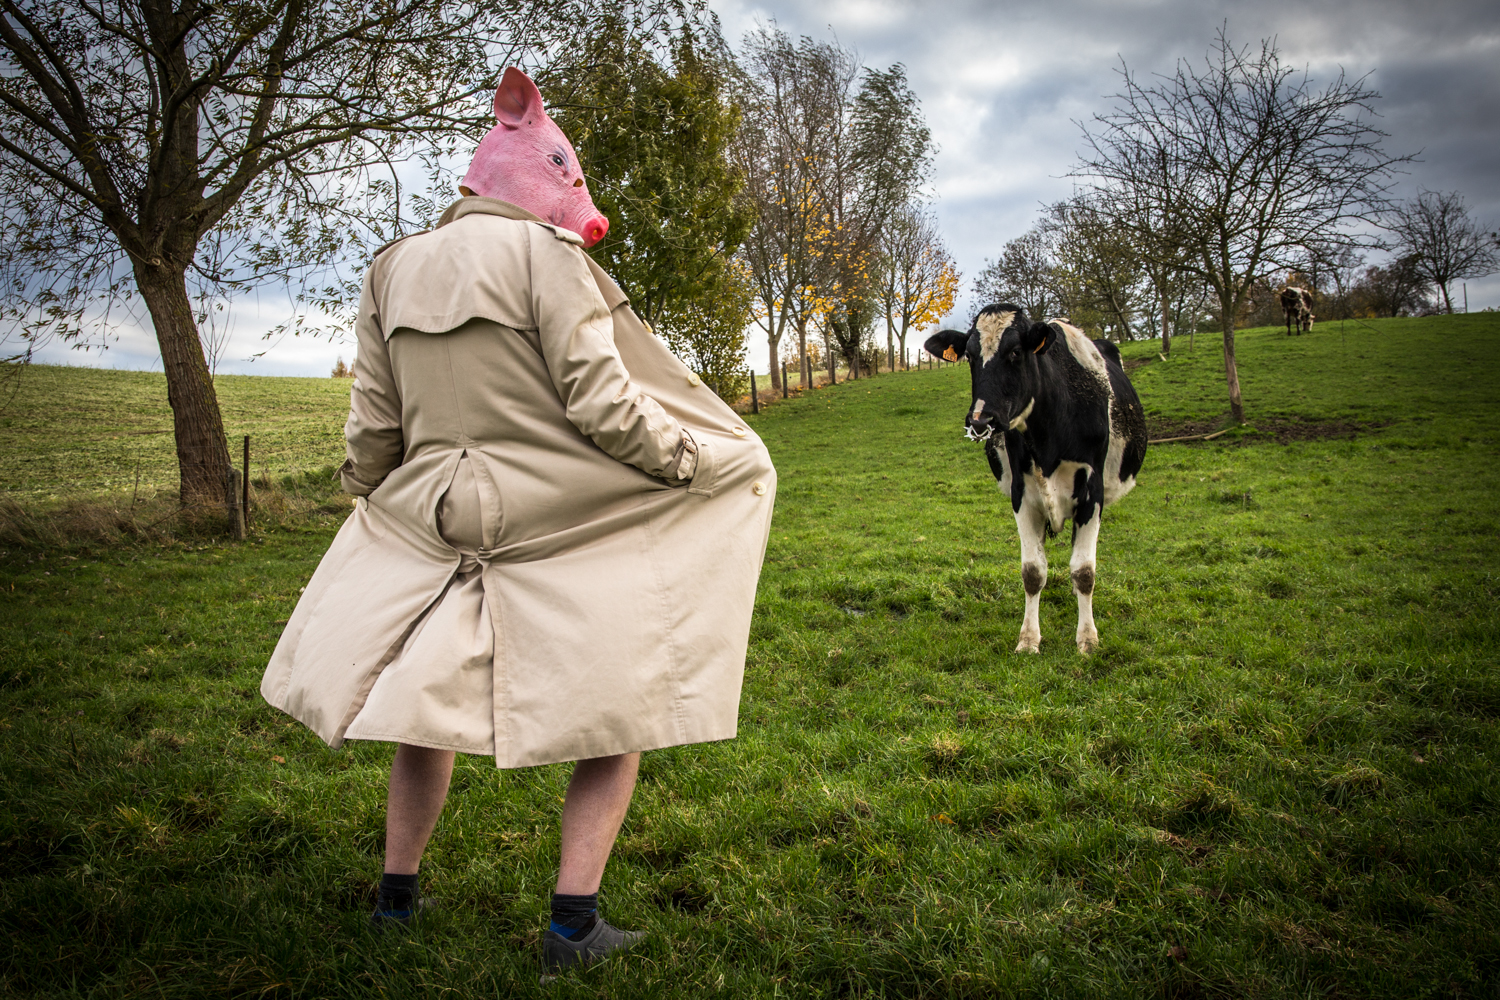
column 517, row 101
column 949, row 345
column 1038, row 339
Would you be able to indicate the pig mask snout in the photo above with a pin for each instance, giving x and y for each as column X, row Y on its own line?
column 528, row 161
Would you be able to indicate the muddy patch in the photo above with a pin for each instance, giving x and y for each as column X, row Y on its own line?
column 1265, row 430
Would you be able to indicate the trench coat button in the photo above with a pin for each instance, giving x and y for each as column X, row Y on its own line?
column 759, row 488
column 739, row 432
column 693, row 378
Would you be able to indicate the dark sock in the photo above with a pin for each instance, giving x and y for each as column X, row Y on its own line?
column 397, row 893
column 574, row 916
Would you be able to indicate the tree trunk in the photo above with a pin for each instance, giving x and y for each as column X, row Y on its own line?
column 771, row 339
column 890, row 344
column 202, row 450
column 833, row 372
column 1447, row 302
column 1166, row 326
column 1231, row 373
column 804, row 365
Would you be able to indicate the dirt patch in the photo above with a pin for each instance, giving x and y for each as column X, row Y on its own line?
column 1266, row 430
column 1131, row 364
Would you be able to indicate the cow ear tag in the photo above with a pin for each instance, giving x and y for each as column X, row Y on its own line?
column 1038, row 348
column 949, row 354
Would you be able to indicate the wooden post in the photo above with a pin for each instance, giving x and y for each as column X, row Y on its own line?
column 236, row 512
column 245, row 487
column 784, row 390
column 754, row 394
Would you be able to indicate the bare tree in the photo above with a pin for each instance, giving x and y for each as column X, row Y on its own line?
column 1023, row 274
column 1238, row 169
column 1397, row 289
column 149, row 148
column 1436, row 234
column 1103, row 274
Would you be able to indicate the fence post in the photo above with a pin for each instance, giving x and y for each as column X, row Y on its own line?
column 754, row 394
column 245, row 488
column 236, row 512
column 785, row 392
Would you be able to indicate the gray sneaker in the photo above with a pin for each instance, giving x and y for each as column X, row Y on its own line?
column 390, row 920
column 559, row 953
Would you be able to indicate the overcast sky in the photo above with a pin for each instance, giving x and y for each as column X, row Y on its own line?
column 1002, row 86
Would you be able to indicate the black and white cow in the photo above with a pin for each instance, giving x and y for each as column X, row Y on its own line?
column 1297, row 307
column 1064, row 434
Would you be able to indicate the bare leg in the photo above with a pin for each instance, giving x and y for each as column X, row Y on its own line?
column 595, row 807
column 419, row 785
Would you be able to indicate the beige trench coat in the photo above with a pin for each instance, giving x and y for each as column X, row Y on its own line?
column 524, row 575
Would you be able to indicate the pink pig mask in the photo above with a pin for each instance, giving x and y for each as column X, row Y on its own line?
column 527, row 161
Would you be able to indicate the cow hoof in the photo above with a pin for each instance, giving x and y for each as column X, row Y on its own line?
column 1086, row 646
column 1029, row 644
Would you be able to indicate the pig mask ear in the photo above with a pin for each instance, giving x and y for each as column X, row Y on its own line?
column 517, row 101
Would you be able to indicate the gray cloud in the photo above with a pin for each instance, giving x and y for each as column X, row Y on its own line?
column 1003, row 84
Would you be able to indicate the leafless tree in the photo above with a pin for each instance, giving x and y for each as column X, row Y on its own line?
column 1444, row 244
column 1023, row 274
column 1397, row 289
column 1334, row 281
column 1099, row 277
column 154, row 149
column 1237, row 169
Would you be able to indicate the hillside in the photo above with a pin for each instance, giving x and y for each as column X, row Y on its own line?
column 1276, row 777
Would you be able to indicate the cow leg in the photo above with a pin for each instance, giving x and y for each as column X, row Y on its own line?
column 1082, row 567
column 1031, row 521
column 1088, row 510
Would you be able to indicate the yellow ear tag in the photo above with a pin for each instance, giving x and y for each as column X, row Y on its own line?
column 949, row 354
column 1038, row 348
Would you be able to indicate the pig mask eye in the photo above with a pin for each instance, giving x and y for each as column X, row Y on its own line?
column 559, row 160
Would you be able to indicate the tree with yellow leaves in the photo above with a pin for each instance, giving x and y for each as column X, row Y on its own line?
column 832, row 150
column 918, row 279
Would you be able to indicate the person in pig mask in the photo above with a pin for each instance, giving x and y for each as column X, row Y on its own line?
column 557, row 530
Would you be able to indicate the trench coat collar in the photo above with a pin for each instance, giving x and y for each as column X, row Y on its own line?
column 475, row 204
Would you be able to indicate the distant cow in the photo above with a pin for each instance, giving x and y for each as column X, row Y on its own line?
column 1297, row 304
column 1064, row 434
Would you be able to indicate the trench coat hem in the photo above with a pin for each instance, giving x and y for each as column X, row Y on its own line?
column 421, row 742
column 540, row 760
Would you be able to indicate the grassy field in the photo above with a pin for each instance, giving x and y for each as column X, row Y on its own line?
column 68, row 433
column 1276, row 777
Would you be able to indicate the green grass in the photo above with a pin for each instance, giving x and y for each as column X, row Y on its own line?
column 1276, row 777
column 69, row 433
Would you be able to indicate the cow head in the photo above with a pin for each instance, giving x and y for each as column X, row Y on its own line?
column 1002, row 348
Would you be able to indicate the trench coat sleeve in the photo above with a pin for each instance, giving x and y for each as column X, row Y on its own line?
column 576, row 333
column 372, row 434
